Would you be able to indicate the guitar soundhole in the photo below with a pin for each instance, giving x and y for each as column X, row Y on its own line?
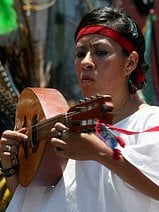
column 34, row 140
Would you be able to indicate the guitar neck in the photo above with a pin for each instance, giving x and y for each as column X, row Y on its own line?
column 42, row 129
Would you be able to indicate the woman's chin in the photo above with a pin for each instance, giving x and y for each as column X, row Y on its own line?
column 89, row 92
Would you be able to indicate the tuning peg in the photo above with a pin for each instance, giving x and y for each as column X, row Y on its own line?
column 87, row 99
column 105, row 107
column 81, row 101
column 104, row 110
column 99, row 95
column 93, row 97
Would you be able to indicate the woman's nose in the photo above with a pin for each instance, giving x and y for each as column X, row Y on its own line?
column 88, row 62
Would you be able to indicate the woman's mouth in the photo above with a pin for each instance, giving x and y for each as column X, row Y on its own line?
column 87, row 78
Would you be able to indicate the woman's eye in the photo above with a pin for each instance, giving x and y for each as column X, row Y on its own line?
column 80, row 54
column 101, row 53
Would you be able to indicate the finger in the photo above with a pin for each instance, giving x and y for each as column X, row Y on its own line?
column 10, row 155
column 60, row 133
column 5, row 143
column 54, row 133
column 23, row 130
column 12, row 148
column 59, row 126
column 59, row 144
column 13, row 137
column 9, row 151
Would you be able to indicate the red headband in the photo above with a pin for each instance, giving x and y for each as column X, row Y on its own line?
column 104, row 30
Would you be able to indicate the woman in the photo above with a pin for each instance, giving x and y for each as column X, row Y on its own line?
column 109, row 60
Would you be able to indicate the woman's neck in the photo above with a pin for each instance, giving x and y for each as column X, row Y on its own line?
column 131, row 105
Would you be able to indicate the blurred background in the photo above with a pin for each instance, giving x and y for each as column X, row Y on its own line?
column 37, row 50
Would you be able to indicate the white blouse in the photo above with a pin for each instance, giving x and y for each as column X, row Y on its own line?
column 87, row 186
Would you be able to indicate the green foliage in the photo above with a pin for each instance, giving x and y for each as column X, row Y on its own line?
column 8, row 17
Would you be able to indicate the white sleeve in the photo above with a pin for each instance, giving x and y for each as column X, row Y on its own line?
column 142, row 150
column 145, row 155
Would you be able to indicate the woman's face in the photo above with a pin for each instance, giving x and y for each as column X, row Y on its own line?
column 101, row 66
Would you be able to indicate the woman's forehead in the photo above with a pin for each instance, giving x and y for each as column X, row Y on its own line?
column 96, row 40
column 93, row 39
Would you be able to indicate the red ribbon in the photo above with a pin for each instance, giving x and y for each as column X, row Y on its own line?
column 127, row 132
column 107, row 31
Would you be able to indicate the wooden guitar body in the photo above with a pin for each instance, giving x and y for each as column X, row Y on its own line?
column 38, row 110
column 39, row 164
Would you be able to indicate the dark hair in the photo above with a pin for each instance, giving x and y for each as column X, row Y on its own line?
column 121, row 22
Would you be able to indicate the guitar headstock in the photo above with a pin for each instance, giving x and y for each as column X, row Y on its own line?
column 83, row 116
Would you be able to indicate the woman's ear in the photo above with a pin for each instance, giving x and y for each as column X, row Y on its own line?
column 132, row 62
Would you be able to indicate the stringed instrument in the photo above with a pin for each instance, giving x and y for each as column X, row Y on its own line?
column 38, row 109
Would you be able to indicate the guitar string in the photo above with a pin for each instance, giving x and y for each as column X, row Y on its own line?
column 44, row 123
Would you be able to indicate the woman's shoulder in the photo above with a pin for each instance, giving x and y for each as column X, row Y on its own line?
column 147, row 115
column 148, row 110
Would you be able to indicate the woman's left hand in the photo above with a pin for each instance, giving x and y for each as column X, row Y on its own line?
column 78, row 146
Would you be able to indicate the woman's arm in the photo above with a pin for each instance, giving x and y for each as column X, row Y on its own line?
column 89, row 147
column 130, row 175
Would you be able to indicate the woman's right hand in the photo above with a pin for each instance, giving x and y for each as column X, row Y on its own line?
column 9, row 144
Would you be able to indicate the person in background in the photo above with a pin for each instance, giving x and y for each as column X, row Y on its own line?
column 109, row 60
